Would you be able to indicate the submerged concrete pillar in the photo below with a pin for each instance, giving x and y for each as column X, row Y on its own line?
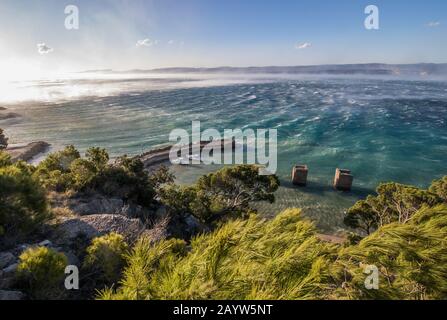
column 299, row 175
column 343, row 179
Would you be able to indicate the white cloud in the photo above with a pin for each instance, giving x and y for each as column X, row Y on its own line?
column 433, row 24
column 171, row 42
column 303, row 45
column 145, row 43
column 42, row 48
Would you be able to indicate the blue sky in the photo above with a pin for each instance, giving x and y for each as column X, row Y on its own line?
column 219, row 32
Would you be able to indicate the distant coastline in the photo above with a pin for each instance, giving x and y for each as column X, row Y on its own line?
column 418, row 69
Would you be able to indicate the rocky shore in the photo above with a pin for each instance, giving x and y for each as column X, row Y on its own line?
column 27, row 152
column 6, row 115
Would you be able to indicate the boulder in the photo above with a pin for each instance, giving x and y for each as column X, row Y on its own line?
column 11, row 295
column 185, row 227
column 45, row 243
column 6, row 259
column 23, row 247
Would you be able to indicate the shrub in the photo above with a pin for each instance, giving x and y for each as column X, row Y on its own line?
column 60, row 160
column 238, row 186
column 23, row 204
column 54, row 180
column 5, row 159
column 82, row 173
column 228, row 192
column 54, row 171
column 98, row 157
column 105, row 255
column 126, row 178
column 283, row 259
column 244, row 259
column 439, row 187
column 41, row 272
column 411, row 259
column 160, row 177
column 394, row 203
column 3, row 140
column 183, row 200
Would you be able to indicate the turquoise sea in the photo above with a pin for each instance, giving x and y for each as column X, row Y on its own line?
column 381, row 129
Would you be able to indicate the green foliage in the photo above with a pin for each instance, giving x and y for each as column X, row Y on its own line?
column 3, row 140
column 82, row 174
column 283, row 259
column 188, row 200
column 145, row 260
column 439, row 187
column 227, row 192
column 411, row 258
column 41, row 272
column 61, row 160
column 66, row 170
column 238, row 186
column 126, row 179
column 244, row 259
column 5, row 159
column 105, row 256
column 54, row 171
column 98, row 157
column 394, row 203
column 160, row 177
column 23, row 204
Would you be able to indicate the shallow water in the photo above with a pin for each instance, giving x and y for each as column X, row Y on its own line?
column 383, row 130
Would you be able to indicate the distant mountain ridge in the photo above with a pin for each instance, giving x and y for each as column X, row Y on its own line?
column 335, row 69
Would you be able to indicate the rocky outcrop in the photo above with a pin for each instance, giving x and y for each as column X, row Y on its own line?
column 6, row 259
column 27, row 152
column 4, row 115
column 99, row 224
column 8, row 115
column 97, row 204
column 8, row 267
column 11, row 295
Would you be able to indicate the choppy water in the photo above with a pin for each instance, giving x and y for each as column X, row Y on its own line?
column 382, row 130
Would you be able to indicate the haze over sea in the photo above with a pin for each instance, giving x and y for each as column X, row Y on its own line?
column 382, row 129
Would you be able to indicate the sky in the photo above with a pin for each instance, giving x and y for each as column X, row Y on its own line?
column 144, row 34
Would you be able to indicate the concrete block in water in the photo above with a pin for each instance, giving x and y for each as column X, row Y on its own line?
column 343, row 179
column 299, row 175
